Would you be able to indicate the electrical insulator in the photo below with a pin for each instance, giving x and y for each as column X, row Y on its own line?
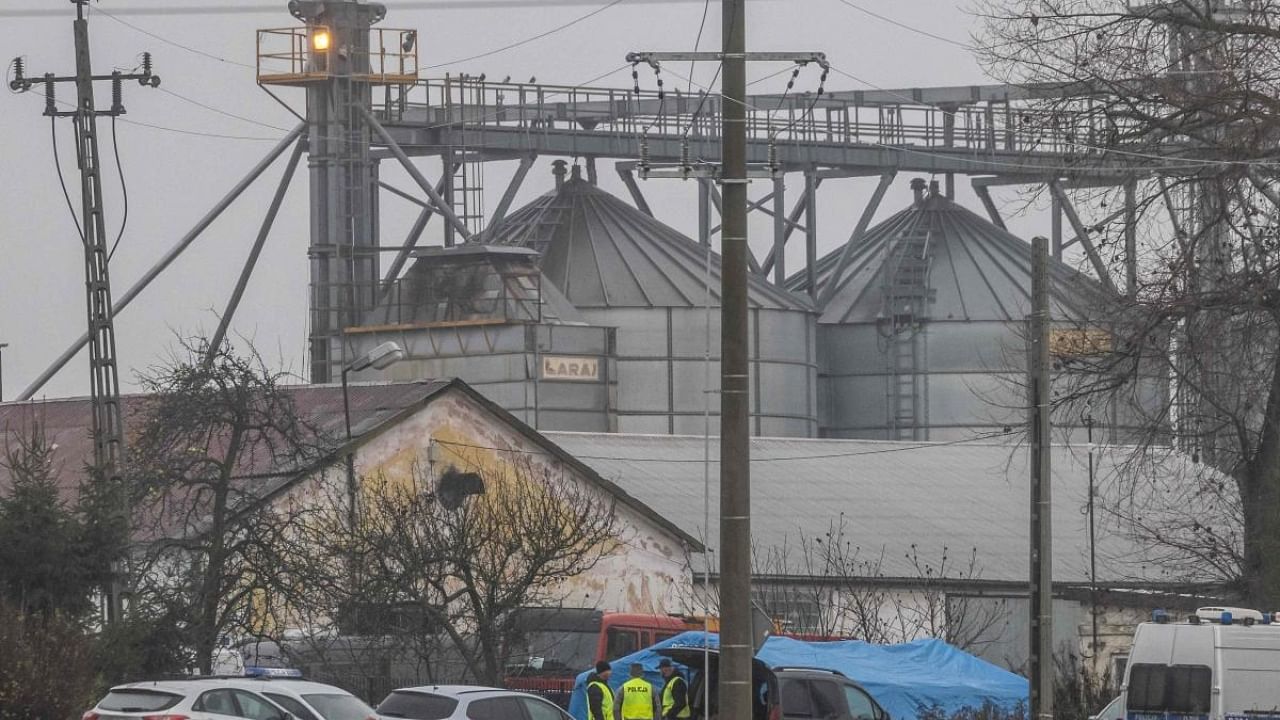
column 684, row 154
column 19, row 82
column 117, row 94
column 50, row 108
column 148, row 77
column 644, row 151
column 773, row 153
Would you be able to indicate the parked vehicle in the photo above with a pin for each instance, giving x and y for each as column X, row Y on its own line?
column 467, row 702
column 555, row 644
column 780, row 692
column 220, row 698
column 1113, row 710
column 1219, row 664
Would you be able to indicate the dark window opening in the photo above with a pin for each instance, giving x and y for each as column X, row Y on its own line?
column 1164, row 688
column 138, row 701
column 795, row 699
column 495, row 709
column 293, row 706
column 621, row 642
column 417, row 706
column 455, row 486
column 828, row 701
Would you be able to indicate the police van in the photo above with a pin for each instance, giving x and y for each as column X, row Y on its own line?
column 1219, row 664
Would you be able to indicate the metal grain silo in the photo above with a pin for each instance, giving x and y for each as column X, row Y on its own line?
column 621, row 268
column 923, row 336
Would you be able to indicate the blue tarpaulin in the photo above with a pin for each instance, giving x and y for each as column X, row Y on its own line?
column 905, row 679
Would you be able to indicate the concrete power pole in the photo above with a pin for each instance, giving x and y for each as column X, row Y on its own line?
column 1041, row 605
column 736, row 648
column 104, row 386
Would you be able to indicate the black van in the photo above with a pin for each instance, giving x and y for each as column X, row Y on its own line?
column 780, row 693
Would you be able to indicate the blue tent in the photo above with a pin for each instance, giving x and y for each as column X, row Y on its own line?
column 905, row 679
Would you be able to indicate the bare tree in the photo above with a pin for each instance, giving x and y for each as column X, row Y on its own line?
column 920, row 603
column 217, row 435
column 826, row 585
column 1185, row 93
column 454, row 552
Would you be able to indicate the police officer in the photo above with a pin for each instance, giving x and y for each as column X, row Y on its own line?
column 599, row 696
column 675, row 692
column 638, row 700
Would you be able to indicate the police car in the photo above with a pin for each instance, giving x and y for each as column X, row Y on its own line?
column 467, row 702
column 270, row 695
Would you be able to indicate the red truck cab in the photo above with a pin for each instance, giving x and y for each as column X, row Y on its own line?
column 554, row 645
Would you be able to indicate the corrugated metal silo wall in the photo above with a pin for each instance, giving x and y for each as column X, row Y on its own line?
column 974, row 383
column 662, row 370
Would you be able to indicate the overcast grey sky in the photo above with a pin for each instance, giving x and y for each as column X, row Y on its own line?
column 174, row 175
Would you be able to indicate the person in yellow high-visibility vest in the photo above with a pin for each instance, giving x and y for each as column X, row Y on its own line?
column 599, row 695
column 675, row 692
column 639, row 702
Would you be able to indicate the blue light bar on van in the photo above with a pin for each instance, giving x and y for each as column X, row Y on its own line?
column 253, row 671
column 1226, row 617
column 1266, row 618
column 1160, row 616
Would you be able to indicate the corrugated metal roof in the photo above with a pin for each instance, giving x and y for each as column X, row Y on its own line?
column 601, row 253
column 977, row 272
column 893, row 496
column 66, row 421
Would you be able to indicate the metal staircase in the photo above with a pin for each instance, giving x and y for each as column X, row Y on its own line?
column 907, row 296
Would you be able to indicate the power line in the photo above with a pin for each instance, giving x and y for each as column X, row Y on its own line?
column 124, row 190
column 181, row 131
column 57, row 164
column 530, row 39
column 200, row 133
column 697, row 42
column 167, row 41
column 220, row 111
column 904, row 26
column 789, row 458
column 275, row 9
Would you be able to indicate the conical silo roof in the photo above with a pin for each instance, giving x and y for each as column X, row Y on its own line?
column 603, row 253
column 976, row 270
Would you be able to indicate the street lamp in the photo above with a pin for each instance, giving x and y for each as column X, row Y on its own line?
column 379, row 358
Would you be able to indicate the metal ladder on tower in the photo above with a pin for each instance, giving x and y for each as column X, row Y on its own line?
column 465, row 189
column 467, row 186
column 352, row 301
column 906, row 304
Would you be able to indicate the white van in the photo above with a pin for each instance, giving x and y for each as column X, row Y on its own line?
column 1219, row 664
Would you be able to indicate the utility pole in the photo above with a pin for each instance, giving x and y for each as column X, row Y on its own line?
column 1041, row 605
column 104, row 386
column 737, row 638
column 736, row 647
column 2, row 347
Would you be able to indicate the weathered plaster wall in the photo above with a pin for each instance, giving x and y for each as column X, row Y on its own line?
column 647, row 570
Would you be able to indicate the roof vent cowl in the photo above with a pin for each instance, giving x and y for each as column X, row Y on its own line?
column 917, row 188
